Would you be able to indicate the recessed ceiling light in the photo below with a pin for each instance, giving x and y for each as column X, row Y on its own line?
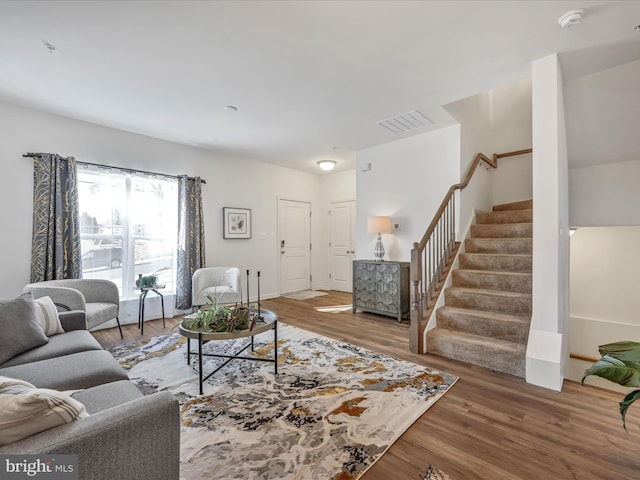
column 570, row 18
column 231, row 108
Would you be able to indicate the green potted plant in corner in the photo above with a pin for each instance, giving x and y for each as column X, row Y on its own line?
column 620, row 363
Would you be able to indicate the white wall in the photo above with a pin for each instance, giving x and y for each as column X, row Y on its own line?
column 604, row 274
column 604, row 293
column 513, row 179
column 511, row 123
column 407, row 181
column 338, row 187
column 605, row 194
column 604, row 262
column 230, row 182
column 496, row 121
column 548, row 340
column 475, row 137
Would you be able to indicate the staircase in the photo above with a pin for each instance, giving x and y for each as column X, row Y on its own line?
column 487, row 312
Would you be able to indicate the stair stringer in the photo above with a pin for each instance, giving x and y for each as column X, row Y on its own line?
column 432, row 321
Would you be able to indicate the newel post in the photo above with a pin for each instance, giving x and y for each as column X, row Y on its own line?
column 416, row 318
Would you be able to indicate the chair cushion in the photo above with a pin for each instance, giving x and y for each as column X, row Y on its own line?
column 65, row 344
column 100, row 312
column 47, row 313
column 102, row 397
column 26, row 410
column 21, row 330
column 222, row 294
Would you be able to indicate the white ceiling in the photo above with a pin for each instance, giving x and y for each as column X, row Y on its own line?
column 306, row 76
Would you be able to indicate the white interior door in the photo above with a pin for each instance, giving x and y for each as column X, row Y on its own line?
column 295, row 245
column 342, row 239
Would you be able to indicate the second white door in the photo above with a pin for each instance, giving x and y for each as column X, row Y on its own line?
column 342, row 239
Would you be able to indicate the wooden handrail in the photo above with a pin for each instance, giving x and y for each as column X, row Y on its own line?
column 583, row 358
column 512, row 154
column 458, row 186
column 440, row 235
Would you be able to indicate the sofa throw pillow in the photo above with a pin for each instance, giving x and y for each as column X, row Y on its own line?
column 26, row 410
column 20, row 329
column 48, row 316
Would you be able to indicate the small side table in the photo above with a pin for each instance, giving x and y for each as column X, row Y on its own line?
column 143, row 297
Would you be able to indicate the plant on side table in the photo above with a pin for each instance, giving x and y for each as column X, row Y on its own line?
column 146, row 281
column 620, row 363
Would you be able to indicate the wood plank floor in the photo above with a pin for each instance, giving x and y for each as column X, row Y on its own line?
column 489, row 426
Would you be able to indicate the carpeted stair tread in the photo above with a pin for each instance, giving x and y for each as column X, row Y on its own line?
column 521, row 205
column 493, row 280
column 505, row 216
column 498, row 245
column 496, row 354
column 488, row 300
column 507, row 262
column 512, row 328
column 487, row 312
column 502, row 230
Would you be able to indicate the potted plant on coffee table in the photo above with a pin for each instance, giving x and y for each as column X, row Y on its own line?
column 217, row 318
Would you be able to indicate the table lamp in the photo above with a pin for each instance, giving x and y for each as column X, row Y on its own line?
column 378, row 225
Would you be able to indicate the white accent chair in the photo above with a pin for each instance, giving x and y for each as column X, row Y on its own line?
column 99, row 299
column 220, row 283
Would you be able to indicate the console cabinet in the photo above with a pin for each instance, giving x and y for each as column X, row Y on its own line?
column 381, row 287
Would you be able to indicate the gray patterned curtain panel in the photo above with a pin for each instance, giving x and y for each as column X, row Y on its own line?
column 190, row 237
column 55, row 249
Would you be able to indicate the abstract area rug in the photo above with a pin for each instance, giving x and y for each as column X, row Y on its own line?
column 435, row 474
column 331, row 411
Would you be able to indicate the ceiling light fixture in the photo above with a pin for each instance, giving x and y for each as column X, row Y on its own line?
column 637, row 28
column 327, row 165
column 571, row 18
column 231, row 108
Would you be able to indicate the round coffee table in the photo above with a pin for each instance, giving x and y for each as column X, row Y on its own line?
column 268, row 320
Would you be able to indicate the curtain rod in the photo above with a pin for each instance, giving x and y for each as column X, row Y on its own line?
column 99, row 165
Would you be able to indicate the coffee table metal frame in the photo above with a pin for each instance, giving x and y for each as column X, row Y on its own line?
column 271, row 323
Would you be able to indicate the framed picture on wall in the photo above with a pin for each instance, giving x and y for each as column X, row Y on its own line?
column 236, row 222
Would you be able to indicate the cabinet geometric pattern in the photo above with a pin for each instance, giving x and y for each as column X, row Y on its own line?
column 381, row 287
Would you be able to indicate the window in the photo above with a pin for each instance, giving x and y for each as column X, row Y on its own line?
column 128, row 227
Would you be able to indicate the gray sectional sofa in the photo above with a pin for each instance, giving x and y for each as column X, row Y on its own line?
column 125, row 436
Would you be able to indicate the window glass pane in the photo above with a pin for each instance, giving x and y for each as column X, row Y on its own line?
column 154, row 221
column 128, row 227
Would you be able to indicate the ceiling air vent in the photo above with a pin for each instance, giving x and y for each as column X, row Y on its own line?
column 405, row 122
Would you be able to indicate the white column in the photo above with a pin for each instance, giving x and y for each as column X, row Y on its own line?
column 547, row 348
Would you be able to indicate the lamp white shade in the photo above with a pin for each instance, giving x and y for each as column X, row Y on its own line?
column 378, row 225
